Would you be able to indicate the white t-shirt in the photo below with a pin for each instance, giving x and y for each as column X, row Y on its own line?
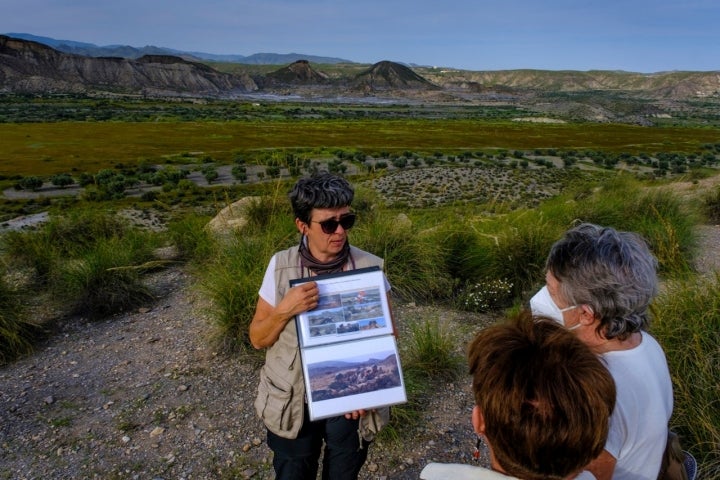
column 267, row 288
column 639, row 423
column 459, row 471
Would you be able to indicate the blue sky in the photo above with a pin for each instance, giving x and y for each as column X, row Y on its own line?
column 632, row 35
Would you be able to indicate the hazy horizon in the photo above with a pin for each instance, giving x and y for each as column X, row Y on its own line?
column 636, row 36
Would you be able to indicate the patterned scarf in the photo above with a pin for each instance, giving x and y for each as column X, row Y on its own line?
column 318, row 268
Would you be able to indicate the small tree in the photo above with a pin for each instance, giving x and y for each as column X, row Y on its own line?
column 210, row 173
column 62, row 180
column 30, row 183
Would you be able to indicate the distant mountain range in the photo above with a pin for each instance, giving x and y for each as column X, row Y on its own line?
column 33, row 67
column 126, row 51
column 27, row 66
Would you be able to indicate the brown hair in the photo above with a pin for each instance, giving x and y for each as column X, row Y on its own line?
column 545, row 397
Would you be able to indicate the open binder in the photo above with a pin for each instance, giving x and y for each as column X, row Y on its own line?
column 349, row 355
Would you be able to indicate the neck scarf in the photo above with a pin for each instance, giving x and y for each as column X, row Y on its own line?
column 317, row 267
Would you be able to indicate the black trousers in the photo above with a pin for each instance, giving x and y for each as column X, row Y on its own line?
column 297, row 459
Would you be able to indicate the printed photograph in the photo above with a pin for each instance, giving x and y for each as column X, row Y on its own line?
column 340, row 378
column 349, row 307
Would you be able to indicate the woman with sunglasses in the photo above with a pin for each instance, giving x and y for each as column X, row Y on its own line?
column 321, row 205
column 599, row 284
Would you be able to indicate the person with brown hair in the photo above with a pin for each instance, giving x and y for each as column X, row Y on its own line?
column 542, row 402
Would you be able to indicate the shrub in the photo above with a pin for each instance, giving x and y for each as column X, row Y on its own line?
column 485, row 295
column 30, row 183
column 62, row 180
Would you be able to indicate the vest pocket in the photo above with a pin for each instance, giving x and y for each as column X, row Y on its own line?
column 273, row 403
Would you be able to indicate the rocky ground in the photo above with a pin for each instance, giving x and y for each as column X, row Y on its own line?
column 143, row 395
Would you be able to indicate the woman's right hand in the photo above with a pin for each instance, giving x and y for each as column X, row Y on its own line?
column 299, row 299
column 269, row 321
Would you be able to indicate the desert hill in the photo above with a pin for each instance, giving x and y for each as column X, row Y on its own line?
column 31, row 67
column 598, row 96
column 662, row 84
column 390, row 75
column 297, row 73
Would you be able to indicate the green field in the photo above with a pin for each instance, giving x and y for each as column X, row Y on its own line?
column 51, row 148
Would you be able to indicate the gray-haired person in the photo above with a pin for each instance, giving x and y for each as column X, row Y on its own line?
column 321, row 205
column 599, row 284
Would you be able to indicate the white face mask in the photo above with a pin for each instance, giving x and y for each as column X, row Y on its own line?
column 543, row 304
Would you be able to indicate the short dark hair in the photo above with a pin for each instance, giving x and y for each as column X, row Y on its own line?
column 611, row 271
column 323, row 190
column 545, row 397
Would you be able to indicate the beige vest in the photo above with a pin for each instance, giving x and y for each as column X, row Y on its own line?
column 281, row 392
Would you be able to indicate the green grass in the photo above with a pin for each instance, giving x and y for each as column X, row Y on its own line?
column 711, row 206
column 17, row 332
column 429, row 357
column 66, row 147
column 687, row 325
column 190, row 235
column 232, row 277
column 431, row 350
column 413, row 261
column 105, row 279
column 657, row 215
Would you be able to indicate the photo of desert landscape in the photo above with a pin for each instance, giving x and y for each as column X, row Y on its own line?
column 335, row 379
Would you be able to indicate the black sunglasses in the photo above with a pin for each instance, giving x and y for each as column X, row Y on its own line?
column 330, row 225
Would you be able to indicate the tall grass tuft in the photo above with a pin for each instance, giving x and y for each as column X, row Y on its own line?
column 431, row 350
column 414, row 262
column 192, row 238
column 31, row 249
column 233, row 276
column 711, row 206
column 465, row 252
column 17, row 334
column 261, row 212
column 520, row 251
column 656, row 215
column 687, row 325
column 62, row 237
column 106, row 278
column 80, row 230
column 429, row 355
column 405, row 416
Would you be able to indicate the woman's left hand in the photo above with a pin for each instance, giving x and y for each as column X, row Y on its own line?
column 354, row 415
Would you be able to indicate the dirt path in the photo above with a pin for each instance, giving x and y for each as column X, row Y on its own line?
column 143, row 395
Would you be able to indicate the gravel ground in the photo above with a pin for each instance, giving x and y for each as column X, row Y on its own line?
column 142, row 395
